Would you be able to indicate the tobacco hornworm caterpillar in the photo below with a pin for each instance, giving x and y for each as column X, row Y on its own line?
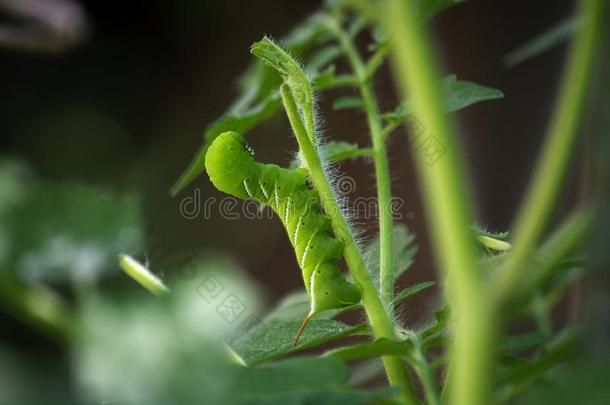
column 232, row 169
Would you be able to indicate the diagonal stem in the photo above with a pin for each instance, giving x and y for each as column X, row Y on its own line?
column 448, row 208
column 378, row 318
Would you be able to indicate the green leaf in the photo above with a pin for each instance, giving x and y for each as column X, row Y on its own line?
column 380, row 38
column 258, row 86
column 459, row 94
column 325, row 79
column 62, row 233
column 335, row 151
column 411, row 291
column 329, row 80
column 279, row 59
column 543, row 42
column 232, row 121
column 441, row 320
column 374, row 348
column 345, row 103
column 294, row 77
column 582, row 381
column 263, row 80
column 522, row 373
column 303, row 380
column 404, row 251
column 456, row 94
column 356, row 25
column 295, row 306
column 322, row 57
column 375, row 61
column 518, row 343
column 258, row 99
column 274, row 339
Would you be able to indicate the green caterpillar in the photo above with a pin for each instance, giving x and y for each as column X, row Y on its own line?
column 232, row 169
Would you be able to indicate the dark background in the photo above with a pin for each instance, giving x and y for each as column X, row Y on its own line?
column 127, row 108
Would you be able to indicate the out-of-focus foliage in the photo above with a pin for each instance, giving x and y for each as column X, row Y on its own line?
column 275, row 338
column 174, row 346
column 540, row 44
column 63, row 232
column 206, row 338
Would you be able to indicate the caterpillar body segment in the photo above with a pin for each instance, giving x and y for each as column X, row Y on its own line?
column 232, row 169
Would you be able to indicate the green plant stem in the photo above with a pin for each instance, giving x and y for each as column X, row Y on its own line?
column 382, row 169
column 389, row 128
column 378, row 318
column 557, row 150
column 423, row 370
column 375, row 61
column 448, row 210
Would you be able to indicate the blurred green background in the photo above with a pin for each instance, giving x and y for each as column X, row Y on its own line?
column 126, row 109
column 103, row 130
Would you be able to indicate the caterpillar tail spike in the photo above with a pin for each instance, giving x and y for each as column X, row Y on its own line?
column 232, row 169
column 302, row 327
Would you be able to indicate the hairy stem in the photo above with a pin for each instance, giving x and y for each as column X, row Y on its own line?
column 425, row 373
column 448, row 209
column 546, row 184
column 382, row 170
column 378, row 318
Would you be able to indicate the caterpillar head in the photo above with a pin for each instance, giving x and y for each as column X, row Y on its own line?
column 227, row 161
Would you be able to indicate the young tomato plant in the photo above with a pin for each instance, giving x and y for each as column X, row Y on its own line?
column 490, row 340
column 484, row 286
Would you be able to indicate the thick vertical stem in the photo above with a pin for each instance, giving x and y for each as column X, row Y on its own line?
column 557, row 150
column 448, row 209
